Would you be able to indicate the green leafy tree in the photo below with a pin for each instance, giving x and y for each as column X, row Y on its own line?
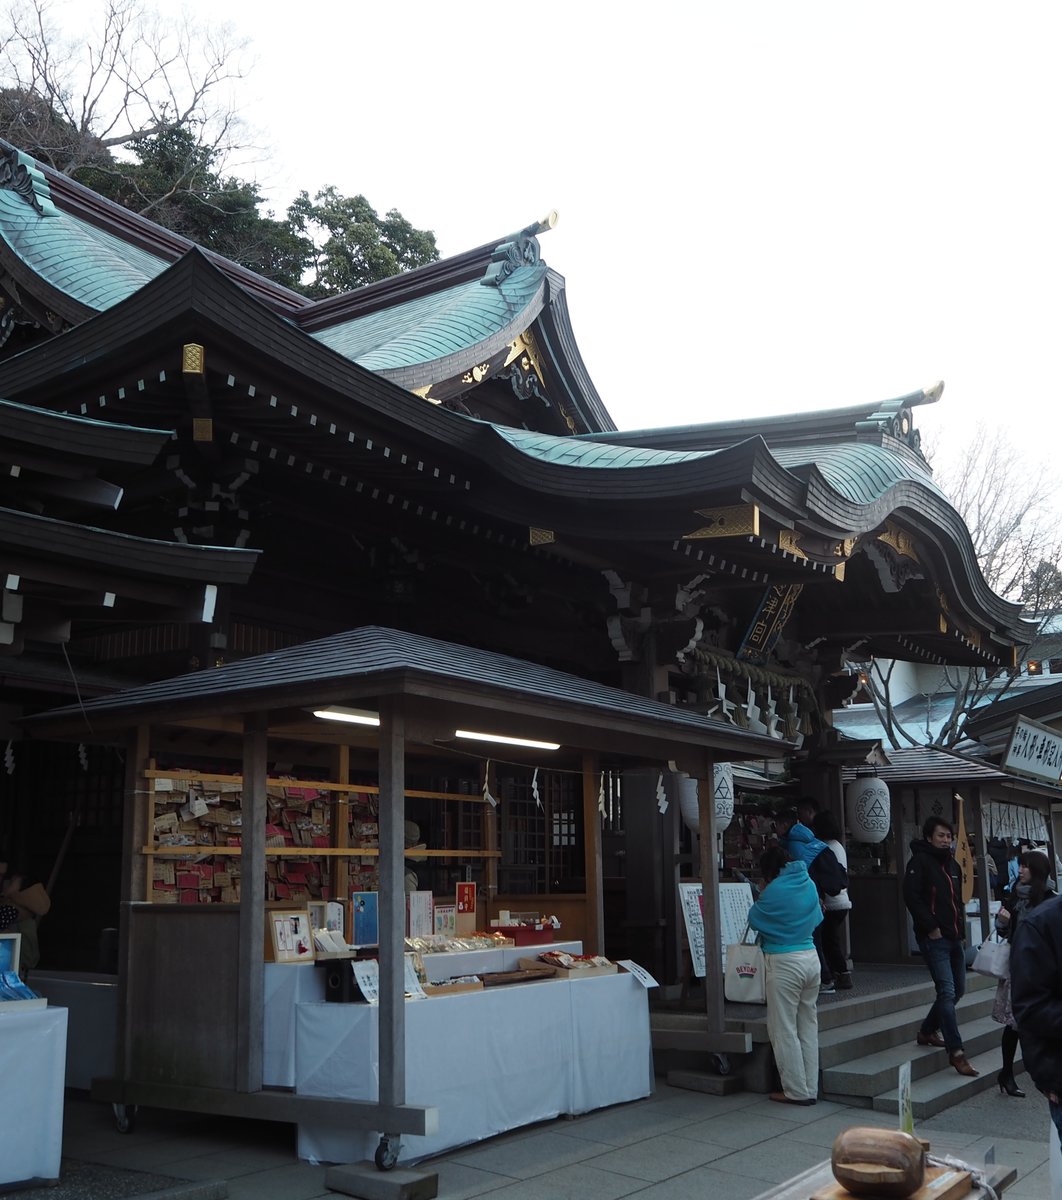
column 352, row 245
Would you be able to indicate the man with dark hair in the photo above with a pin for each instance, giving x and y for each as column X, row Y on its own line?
column 932, row 891
column 1036, row 999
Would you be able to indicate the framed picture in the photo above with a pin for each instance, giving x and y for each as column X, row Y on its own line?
column 329, row 914
column 10, row 951
column 290, row 934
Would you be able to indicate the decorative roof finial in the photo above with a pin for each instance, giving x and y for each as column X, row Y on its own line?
column 19, row 174
column 522, row 250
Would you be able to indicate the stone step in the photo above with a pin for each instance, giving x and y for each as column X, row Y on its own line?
column 842, row 1043
column 875, row 1073
column 841, row 1008
column 942, row 1089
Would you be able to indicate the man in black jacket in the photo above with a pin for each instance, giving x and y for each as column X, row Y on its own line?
column 1036, row 999
column 932, row 891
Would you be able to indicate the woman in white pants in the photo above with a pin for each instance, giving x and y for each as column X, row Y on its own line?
column 786, row 915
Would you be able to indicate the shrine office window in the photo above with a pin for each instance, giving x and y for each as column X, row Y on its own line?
column 541, row 837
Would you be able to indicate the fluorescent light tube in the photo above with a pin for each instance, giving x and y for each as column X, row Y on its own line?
column 507, row 741
column 355, row 716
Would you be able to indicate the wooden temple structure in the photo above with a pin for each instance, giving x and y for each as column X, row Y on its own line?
column 203, row 468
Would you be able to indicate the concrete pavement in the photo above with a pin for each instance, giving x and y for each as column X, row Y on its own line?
column 675, row 1144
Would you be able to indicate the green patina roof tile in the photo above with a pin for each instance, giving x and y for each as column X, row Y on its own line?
column 435, row 326
column 570, row 452
column 861, row 472
column 91, row 266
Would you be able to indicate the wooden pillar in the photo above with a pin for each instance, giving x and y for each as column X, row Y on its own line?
column 137, row 832
column 896, row 832
column 982, row 890
column 709, row 872
column 592, row 863
column 251, row 974
column 341, row 830
column 392, row 1030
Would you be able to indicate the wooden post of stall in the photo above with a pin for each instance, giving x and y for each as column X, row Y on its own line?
column 714, row 1000
column 595, row 900
column 137, row 832
column 392, row 1029
column 489, row 825
column 983, row 892
column 250, row 971
column 341, row 833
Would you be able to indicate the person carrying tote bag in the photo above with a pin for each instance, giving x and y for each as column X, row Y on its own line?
column 745, row 981
column 1029, row 891
column 786, row 915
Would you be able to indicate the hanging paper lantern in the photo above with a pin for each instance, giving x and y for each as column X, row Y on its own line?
column 724, row 799
column 867, row 809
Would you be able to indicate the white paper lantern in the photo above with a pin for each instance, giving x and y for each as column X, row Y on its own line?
column 867, row 809
column 724, row 799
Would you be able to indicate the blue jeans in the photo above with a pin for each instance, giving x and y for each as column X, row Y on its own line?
column 946, row 960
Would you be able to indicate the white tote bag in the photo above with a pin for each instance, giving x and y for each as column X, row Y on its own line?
column 993, row 959
column 746, row 976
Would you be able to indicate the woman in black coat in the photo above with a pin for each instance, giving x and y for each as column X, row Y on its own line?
column 1029, row 891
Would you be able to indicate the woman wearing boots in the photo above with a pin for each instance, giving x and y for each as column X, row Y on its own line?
column 1029, row 890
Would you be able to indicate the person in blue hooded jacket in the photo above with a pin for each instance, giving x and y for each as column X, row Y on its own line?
column 786, row 915
column 801, row 843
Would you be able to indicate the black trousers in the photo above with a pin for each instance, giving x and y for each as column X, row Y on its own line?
column 830, row 943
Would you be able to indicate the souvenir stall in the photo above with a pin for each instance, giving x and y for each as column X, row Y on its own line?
column 32, row 1062
column 387, row 1072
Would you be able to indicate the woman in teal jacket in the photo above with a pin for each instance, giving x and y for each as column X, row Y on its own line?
column 786, row 915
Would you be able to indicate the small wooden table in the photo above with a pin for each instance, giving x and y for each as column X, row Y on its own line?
column 817, row 1179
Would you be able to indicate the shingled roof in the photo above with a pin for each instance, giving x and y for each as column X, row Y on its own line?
column 367, row 664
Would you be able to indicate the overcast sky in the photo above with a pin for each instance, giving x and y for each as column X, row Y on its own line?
column 765, row 207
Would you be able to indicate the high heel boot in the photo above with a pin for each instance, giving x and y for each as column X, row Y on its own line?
column 1005, row 1079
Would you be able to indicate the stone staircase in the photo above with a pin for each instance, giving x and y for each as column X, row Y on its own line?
column 863, row 1043
column 864, row 1037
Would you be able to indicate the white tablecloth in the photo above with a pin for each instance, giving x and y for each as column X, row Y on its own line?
column 33, row 1067
column 489, row 1061
column 288, row 984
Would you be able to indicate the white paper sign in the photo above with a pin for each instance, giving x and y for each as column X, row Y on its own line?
column 412, row 984
column 639, row 973
column 420, row 914
column 906, row 1108
column 735, row 900
column 367, row 977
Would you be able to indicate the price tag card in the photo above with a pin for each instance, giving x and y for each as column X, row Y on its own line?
column 639, row 973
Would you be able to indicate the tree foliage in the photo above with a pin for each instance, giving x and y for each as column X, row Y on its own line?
column 138, row 114
column 351, row 245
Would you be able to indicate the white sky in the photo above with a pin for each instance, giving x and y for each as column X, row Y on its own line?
column 765, row 207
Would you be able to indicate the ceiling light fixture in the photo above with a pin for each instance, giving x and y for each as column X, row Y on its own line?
column 507, row 741
column 355, row 716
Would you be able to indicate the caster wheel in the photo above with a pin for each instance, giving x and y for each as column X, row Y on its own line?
column 124, row 1117
column 386, row 1157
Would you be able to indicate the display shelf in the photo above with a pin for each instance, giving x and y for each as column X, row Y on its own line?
column 321, row 836
column 194, row 851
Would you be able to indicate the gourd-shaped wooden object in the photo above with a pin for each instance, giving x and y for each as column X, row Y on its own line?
column 878, row 1162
